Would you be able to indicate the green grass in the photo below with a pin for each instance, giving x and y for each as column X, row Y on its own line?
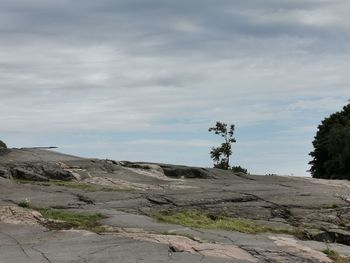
column 58, row 219
column 334, row 255
column 73, row 184
column 196, row 219
column 72, row 220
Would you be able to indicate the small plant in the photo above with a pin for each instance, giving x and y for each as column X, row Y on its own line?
column 331, row 253
column 334, row 255
column 25, row 203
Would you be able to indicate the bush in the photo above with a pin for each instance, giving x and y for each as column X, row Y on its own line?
column 331, row 155
column 25, row 203
column 2, row 144
column 239, row 169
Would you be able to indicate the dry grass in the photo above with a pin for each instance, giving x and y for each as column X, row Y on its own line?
column 334, row 255
column 200, row 220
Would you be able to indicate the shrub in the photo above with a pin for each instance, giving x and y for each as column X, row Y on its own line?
column 2, row 144
column 239, row 169
column 24, row 204
column 331, row 155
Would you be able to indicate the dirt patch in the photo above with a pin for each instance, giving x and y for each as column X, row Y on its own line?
column 19, row 216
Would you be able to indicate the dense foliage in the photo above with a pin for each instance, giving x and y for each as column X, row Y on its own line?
column 221, row 154
column 331, row 155
column 2, row 144
column 239, row 169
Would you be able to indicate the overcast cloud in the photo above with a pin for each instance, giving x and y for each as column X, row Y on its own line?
column 143, row 80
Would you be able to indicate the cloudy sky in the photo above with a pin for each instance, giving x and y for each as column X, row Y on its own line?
column 144, row 79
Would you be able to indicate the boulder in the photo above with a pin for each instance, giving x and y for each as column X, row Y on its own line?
column 4, row 172
column 175, row 171
column 27, row 174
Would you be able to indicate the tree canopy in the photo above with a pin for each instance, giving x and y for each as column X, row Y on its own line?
column 221, row 154
column 2, row 144
column 331, row 155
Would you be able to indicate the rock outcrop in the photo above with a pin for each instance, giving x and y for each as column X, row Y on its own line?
column 130, row 194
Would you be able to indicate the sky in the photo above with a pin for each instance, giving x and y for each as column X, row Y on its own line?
column 143, row 80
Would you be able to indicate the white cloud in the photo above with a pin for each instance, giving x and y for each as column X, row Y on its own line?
column 187, row 27
column 174, row 143
column 327, row 104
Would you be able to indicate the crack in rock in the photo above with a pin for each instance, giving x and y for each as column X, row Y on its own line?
column 84, row 259
column 293, row 247
column 42, row 254
column 184, row 244
column 17, row 243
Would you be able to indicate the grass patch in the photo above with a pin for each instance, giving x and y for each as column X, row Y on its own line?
column 72, row 220
column 334, row 255
column 200, row 220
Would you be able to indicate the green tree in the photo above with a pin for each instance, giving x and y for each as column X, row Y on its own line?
column 2, row 144
column 221, row 154
column 331, row 155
